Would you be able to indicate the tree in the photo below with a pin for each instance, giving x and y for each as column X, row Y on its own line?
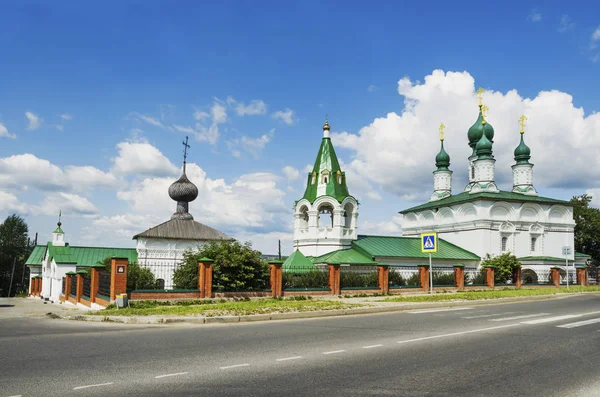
column 13, row 251
column 137, row 277
column 236, row 267
column 587, row 227
column 505, row 266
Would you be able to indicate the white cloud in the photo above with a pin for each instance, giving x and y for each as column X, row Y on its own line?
column 60, row 127
column 66, row 116
column 147, row 119
column 534, row 15
column 308, row 168
column 256, row 107
column 254, row 146
column 69, row 204
column 219, row 113
column 4, row 132
column 187, row 130
column 200, row 115
column 596, row 34
column 10, row 203
column 372, row 88
column 290, row 172
column 286, row 116
column 566, row 23
column 391, row 227
column 397, row 151
column 34, row 121
column 89, row 177
column 143, row 159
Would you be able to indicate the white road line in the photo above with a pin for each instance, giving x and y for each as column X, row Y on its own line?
column 334, row 352
column 440, row 310
column 167, row 375
column 457, row 333
column 235, row 366
column 520, row 317
column 18, row 395
column 289, row 358
column 550, row 319
column 98, row 385
column 488, row 315
column 580, row 323
column 372, row 346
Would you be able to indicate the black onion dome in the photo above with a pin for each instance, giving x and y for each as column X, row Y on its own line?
column 183, row 190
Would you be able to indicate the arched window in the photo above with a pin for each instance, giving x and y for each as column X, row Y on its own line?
column 326, row 215
column 504, row 243
column 314, row 178
column 533, row 244
column 472, row 172
column 325, row 177
column 348, row 210
column 304, row 217
column 339, row 177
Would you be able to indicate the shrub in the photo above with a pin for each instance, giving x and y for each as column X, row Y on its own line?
column 355, row 279
column 312, row 279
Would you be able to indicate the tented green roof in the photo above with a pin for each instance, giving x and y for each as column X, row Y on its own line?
column 466, row 197
column 298, row 263
column 409, row 247
column 80, row 256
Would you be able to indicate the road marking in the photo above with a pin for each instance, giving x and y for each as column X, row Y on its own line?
column 440, row 310
column 580, row 323
column 457, row 333
column 98, row 385
column 520, row 317
column 372, row 346
column 550, row 319
column 289, row 358
column 167, row 375
column 235, row 366
column 18, row 395
column 334, row 352
column 488, row 315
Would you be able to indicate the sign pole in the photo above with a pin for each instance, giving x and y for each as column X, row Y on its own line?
column 430, row 275
column 567, row 271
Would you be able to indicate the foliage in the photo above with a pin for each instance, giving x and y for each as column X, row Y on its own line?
column 137, row 277
column 480, row 278
column 395, row 279
column 310, row 279
column 14, row 250
column 587, row 227
column 353, row 279
column 237, row 267
column 443, row 278
column 505, row 266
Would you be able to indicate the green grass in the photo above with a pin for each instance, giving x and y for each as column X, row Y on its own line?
column 495, row 294
column 211, row 309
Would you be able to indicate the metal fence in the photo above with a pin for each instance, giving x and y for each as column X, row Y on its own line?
column 403, row 277
column 73, row 292
column 309, row 278
column 104, row 284
column 474, row 277
column 87, row 285
column 443, row 277
column 572, row 276
column 354, row 277
column 64, row 285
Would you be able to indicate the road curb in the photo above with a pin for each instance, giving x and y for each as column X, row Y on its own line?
column 401, row 307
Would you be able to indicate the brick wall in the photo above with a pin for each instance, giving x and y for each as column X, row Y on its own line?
column 151, row 295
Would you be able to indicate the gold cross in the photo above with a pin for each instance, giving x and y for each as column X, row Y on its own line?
column 522, row 121
column 441, row 129
column 480, row 92
column 484, row 110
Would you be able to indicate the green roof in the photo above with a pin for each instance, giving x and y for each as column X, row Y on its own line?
column 80, row 256
column 410, row 247
column 326, row 161
column 37, row 256
column 298, row 263
column 542, row 258
column 351, row 256
column 581, row 255
column 501, row 196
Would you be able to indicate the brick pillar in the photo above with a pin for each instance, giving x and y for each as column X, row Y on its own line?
column 39, row 286
column 383, row 272
column 334, row 279
column 118, row 277
column 489, row 276
column 459, row 276
column 424, row 277
column 205, row 277
column 95, row 283
column 276, row 271
column 517, row 276
column 79, row 290
column 555, row 276
column 67, row 286
column 581, row 275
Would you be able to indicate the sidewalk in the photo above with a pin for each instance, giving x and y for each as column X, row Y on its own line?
column 34, row 307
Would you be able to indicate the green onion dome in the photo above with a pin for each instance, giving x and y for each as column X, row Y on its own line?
column 484, row 147
column 477, row 130
column 522, row 152
column 442, row 160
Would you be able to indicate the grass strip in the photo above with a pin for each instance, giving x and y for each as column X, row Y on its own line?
column 258, row 306
column 491, row 294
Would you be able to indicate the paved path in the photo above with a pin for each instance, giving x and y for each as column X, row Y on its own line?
column 33, row 307
column 544, row 348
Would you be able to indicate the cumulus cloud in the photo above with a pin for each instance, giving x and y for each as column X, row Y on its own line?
column 141, row 158
column 4, row 132
column 254, row 146
column 290, row 172
column 255, row 107
column 217, row 115
column 68, row 203
column 34, row 121
column 392, row 227
column 285, row 116
column 66, row 116
column 397, row 151
column 534, row 15
column 11, row 203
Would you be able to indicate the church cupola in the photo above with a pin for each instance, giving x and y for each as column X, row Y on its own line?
column 522, row 169
column 442, row 176
column 183, row 191
column 482, row 163
column 58, row 236
column 325, row 216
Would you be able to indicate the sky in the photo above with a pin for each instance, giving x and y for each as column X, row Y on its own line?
column 96, row 99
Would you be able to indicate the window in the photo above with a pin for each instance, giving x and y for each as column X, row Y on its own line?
column 472, row 172
column 533, row 243
column 314, row 178
column 325, row 177
column 504, row 243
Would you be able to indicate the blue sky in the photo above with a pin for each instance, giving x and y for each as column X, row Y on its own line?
column 94, row 76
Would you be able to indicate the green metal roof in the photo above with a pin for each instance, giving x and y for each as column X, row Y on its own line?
column 541, row 258
column 80, row 256
column 351, row 256
column 581, row 255
column 326, row 160
column 37, row 256
column 410, row 247
column 298, row 263
column 501, row 196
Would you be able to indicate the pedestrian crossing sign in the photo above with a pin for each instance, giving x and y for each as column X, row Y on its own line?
column 429, row 242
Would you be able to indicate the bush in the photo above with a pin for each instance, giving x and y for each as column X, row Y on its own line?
column 505, row 266
column 140, row 277
column 443, row 278
column 355, row 279
column 312, row 279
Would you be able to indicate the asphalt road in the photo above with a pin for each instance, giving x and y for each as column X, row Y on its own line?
column 546, row 348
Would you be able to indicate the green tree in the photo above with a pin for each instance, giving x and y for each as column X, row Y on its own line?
column 13, row 246
column 137, row 277
column 505, row 266
column 236, row 267
column 587, row 227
